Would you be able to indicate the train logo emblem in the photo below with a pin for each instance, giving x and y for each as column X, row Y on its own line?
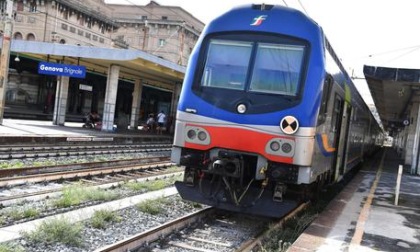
column 258, row 20
column 289, row 125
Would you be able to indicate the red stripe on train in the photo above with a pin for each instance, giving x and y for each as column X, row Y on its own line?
column 240, row 140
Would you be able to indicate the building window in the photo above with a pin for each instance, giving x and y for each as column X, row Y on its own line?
column 162, row 42
column 79, row 32
column 72, row 29
column 17, row 35
column 95, row 38
column 87, row 35
column 30, row 37
column 18, row 18
column 101, row 40
column 64, row 27
column 3, row 6
column 143, row 18
column 32, row 6
column 62, row 41
column 65, row 14
column 164, row 18
column 19, row 5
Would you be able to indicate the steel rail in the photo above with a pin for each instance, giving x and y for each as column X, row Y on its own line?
column 258, row 241
column 38, row 148
column 156, row 233
column 10, row 181
column 66, row 153
column 11, row 172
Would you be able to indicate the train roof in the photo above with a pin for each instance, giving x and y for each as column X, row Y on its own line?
column 266, row 18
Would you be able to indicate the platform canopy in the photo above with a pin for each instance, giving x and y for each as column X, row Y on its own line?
column 135, row 64
column 392, row 90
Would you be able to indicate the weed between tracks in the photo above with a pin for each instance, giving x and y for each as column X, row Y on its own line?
column 152, row 185
column 57, row 230
column 102, row 217
column 11, row 248
column 153, row 207
column 12, row 164
column 16, row 213
column 76, row 194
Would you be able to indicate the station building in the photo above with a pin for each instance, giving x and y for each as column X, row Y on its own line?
column 146, row 48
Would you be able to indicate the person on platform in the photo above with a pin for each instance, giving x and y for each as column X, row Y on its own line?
column 161, row 118
column 150, row 123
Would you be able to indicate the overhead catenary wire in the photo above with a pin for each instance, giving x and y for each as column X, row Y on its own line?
column 404, row 54
column 394, row 50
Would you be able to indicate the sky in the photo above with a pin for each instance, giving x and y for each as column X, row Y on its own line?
column 362, row 32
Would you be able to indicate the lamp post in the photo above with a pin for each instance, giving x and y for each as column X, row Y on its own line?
column 4, row 56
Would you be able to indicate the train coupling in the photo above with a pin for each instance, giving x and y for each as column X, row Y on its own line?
column 227, row 164
column 279, row 191
column 189, row 177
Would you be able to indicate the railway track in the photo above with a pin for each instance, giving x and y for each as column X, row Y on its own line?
column 33, row 152
column 68, row 172
column 205, row 230
column 25, row 171
column 14, row 194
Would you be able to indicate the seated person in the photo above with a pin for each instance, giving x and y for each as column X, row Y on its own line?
column 150, row 123
column 94, row 117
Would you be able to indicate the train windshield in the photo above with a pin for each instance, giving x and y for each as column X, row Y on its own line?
column 275, row 69
column 227, row 64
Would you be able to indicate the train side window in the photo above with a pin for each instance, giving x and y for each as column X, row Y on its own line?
column 337, row 112
column 324, row 102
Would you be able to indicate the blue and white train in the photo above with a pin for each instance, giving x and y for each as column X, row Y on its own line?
column 267, row 113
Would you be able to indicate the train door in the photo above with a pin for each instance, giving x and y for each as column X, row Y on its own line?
column 340, row 121
column 344, row 137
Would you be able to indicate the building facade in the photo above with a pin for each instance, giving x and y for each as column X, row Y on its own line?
column 169, row 32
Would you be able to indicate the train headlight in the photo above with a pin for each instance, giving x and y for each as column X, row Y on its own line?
column 196, row 135
column 202, row 135
column 274, row 146
column 281, row 147
column 286, row 147
column 191, row 134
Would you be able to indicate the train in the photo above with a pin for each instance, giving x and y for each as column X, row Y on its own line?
column 267, row 114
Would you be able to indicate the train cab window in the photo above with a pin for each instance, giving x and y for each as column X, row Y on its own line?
column 277, row 68
column 227, row 64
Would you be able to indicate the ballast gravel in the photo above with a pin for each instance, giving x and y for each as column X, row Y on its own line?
column 132, row 221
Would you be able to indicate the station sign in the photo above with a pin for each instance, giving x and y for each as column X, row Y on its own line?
column 61, row 69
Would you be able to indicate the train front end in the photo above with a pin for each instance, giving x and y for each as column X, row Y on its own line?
column 247, row 112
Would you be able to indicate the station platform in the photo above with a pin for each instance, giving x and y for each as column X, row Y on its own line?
column 364, row 217
column 17, row 131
